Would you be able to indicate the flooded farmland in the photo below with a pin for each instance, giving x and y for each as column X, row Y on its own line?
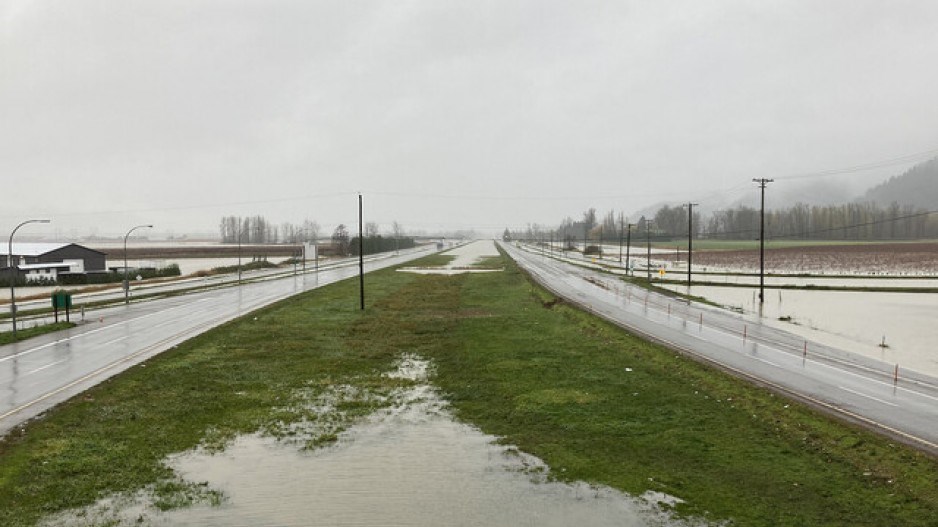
column 409, row 464
column 854, row 321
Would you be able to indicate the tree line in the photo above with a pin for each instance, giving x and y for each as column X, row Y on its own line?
column 851, row 221
column 258, row 229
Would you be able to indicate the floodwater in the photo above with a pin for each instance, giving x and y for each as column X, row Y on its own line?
column 852, row 321
column 412, row 464
column 802, row 281
column 465, row 257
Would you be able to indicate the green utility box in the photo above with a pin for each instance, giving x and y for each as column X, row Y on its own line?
column 61, row 300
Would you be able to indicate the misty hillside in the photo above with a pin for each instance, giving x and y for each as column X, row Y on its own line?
column 917, row 187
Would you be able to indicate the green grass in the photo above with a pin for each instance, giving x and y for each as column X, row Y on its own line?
column 434, row 260
column 512, row 360
column 27, row 333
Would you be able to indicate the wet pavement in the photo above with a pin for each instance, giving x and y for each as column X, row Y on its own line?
column 859, row 322
column 38, row 373
column 899, row 403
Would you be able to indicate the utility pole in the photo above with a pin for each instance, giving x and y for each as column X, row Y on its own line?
column 762, row 183
column 648, row 243
column 628, row 244
column 601, row 240
column 586, row 233
column 361, row 256
column 690, row 238
column 621, row 227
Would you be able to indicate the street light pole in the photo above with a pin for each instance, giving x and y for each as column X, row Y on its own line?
column 762, row 183
column 13, row 272
column 126, row 283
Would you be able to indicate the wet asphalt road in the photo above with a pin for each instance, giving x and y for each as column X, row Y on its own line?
column 857, row 389
column 38, row 373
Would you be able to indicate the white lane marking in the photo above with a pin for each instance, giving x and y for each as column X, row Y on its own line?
column 46, row 366
column 872, row 380
column 168, row 322
column 768, row 362
column 118, row 339
column 784, row 353
column 93, row 331
column 867, row 396
column 781, row 388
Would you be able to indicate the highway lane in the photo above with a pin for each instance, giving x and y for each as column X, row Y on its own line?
column 38, row 373
column 115, row 293
column 854, row 388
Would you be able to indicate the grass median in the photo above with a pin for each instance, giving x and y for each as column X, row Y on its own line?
column 593, row 401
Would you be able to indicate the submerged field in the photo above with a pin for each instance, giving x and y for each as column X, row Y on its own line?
column 898, row 258
column 594, row 402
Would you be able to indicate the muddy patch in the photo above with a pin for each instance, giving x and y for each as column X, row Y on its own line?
column 409, row 463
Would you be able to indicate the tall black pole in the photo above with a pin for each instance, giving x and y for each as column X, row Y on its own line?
column 690, row 239
column 361, row 256
column 601, row 240
column 628, row 244
column 586, row 233
column 762, row 183
column 648, row 242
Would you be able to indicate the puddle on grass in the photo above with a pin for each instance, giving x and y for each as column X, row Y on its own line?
column 409, row 464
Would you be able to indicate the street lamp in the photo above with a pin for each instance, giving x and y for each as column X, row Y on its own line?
column 126, row 283
column 13, row 271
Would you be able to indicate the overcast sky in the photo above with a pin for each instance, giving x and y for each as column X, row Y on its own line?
column 444, row 114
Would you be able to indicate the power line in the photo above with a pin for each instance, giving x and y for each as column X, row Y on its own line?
column 866, row 166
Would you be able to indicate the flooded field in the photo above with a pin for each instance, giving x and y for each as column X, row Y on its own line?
column 895, row 259
column 410, row 464
column 852, row 321
column 465, row 258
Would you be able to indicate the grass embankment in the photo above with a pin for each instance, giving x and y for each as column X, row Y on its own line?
column 27, row 333
column 596, row 403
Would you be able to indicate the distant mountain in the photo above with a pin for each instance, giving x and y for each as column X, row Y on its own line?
column 917, row 187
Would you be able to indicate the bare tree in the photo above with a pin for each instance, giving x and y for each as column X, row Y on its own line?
column 310, row 231
column 340, row 239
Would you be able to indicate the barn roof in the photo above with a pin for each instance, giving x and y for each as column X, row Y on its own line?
column 38, row 249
